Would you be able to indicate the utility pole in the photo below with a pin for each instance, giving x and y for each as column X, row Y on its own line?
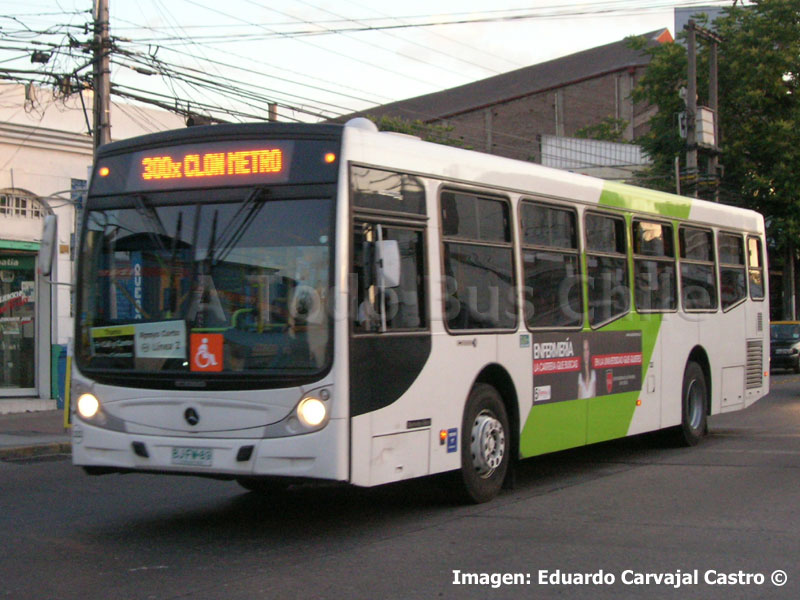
column 102, row 75
column 691, row 106
column 702, row 131
column 713, row 104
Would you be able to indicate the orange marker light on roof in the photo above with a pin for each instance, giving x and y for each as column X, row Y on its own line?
column 103, row 171
column 330, row 157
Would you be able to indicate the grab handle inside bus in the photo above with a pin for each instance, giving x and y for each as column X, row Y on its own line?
column 387, row 261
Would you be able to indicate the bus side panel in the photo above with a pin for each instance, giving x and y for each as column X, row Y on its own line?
column 514, row 355
column 626, row 398
column 647, row 415
column 554, row 426
column 384, row 371
column 715, row 336
column 401, row 439
column 679, row 335
column 612, row 416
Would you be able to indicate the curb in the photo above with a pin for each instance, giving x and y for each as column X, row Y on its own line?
column 35, row 451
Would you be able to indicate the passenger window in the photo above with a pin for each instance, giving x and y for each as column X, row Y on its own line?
column 553, row 296
column 606, row 268
column 756, row 268
column 732, row 276
column 395, row 308
column 478, row 262
column 655, row 285
column 386, row 191
column 470, row 217
column 698, row 279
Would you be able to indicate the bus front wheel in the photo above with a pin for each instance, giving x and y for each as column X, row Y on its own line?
column 485, row 444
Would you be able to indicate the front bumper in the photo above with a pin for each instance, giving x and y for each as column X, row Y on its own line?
column 319, row 455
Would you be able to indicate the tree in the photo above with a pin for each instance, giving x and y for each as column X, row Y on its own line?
column 610, row 129
column 659, row 86
column 759, row 111
column 430, row 132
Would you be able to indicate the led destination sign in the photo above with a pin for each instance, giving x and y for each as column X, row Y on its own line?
column 212, row 164
column 198, row 165
column 216, row 164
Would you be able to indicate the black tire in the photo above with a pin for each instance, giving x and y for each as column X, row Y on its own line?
column 264, row 485
column 694, row 406
column 485, row 445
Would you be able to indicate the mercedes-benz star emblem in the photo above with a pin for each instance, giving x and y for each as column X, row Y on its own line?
column 191, row 416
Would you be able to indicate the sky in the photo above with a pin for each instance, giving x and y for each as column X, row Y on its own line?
column 314, row 58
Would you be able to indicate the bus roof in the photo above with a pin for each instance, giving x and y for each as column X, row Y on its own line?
column 457, row 165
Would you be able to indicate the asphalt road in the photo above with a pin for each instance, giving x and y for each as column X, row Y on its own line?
column 712, row 517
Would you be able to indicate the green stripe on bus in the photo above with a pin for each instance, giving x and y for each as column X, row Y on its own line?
column 562, row 425
column 553, row 427
column 619, row 195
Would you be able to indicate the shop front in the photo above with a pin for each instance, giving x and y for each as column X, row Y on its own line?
column 18, row 330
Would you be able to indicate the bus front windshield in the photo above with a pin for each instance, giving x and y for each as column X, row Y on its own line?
column 207, row 289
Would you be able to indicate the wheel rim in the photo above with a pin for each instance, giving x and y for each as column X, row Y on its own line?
column 488, row 444
column 694, row 405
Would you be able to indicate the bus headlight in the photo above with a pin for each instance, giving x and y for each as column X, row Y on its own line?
column 312, row 412
column 88, row 406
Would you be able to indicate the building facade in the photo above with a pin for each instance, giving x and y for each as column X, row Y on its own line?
column 508, row 113
column 45, row 156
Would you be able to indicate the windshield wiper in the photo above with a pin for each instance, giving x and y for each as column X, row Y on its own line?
column 173, row 302
column 151, row 216
column 238, row 224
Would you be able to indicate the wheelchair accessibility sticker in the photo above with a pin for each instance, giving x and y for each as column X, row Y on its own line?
column 206, row 351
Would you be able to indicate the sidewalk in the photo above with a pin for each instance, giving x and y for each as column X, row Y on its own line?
column 29, row 434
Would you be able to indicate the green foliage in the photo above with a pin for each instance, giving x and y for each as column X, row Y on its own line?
column 759, row 109
column 438, row 134
column 609, row 129
column 659, row 86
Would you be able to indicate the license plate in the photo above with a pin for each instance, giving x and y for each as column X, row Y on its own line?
column 192, row 457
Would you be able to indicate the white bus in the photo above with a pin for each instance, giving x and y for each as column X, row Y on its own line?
column 274, row 303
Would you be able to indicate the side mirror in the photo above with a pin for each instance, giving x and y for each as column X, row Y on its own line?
column 47, row 250
column 387, row 261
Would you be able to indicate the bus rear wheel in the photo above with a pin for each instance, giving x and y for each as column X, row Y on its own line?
column 485, row 444
column 694, row 406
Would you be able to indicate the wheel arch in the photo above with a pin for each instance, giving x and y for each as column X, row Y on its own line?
column 699, row 356
column 499, row 378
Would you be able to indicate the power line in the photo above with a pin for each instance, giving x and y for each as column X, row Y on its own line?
column 434, row 32
column 195, row 85
column 376, row 46
column 328, row 50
